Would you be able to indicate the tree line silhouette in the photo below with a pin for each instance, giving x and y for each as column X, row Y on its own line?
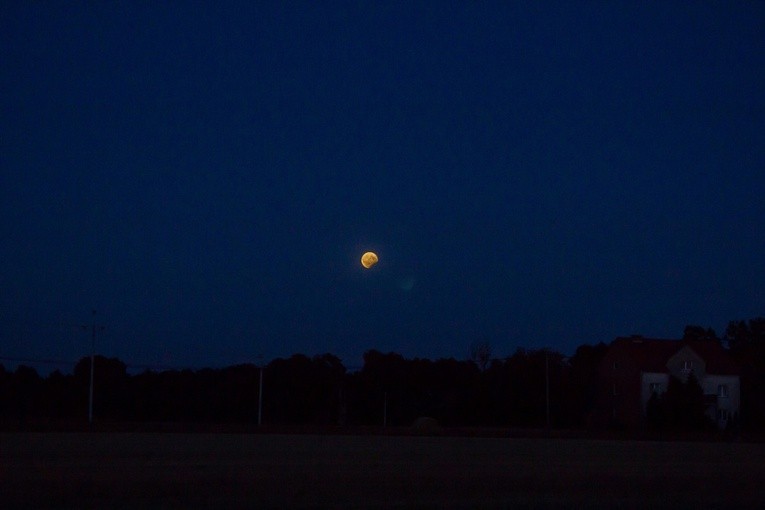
column 530, row 388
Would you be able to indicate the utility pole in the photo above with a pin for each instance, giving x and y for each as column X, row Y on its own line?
column 547, row 387
column 385, row 410
column 260, row 397
column 93, row 327
column 92, row 367
column 260, row 391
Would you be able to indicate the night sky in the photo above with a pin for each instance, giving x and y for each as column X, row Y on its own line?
column 530, row 174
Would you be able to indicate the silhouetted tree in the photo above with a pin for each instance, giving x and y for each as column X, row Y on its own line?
column 238, row 393
column 146, row 389
column 110, row 398
column 480, row 353
column 656, row 415
column 746, row 344
column 60, row 397
column 331, row 373
column 513, row 392
column 382, row 379
column 26, row 394
column 682, row 405
column 444, row 389
column 302, row 390
column 698, row 333
column 581, row 385
column 452, row 385
column 6, row 411
column 741, row 336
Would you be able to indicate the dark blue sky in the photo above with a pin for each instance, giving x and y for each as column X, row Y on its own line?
column 537, row 174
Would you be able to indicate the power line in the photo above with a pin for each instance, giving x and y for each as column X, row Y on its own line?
column 38, row 361
column 144, row 366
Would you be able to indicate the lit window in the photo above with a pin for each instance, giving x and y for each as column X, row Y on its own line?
column 722, row 391
column 687, row 366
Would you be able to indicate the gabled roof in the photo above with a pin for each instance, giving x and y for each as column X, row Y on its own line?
column 652, row 354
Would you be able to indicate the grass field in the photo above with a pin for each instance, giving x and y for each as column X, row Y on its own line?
column 108, row 470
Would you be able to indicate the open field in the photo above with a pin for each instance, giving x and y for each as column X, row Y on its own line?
column 109, row 470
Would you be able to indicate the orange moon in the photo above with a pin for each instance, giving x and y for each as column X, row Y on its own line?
column 369, row 259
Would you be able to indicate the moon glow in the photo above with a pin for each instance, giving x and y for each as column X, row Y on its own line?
column 369, row 259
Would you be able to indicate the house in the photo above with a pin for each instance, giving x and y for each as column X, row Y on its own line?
column 634, row 368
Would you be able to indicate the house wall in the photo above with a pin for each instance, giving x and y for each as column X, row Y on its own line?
column 626, row 373
column 677, row 364
column 730, row 404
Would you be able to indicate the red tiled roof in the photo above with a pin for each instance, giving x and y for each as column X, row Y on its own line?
column 649, row 354
column 716, row 357
column 652, row 354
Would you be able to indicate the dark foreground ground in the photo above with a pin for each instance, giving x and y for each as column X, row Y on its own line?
column 142, row 470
